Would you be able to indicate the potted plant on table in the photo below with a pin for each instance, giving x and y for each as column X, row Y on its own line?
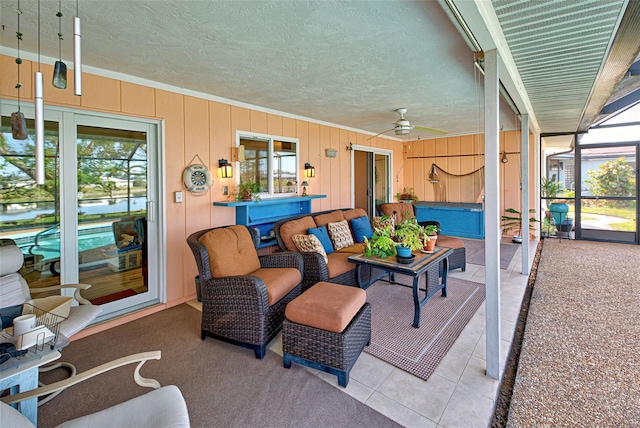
column 409, row 237
column 400, row 240
column 429, row 237
column 407, row 195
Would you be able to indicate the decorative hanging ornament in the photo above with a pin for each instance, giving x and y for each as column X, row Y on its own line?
column 18, row 123
column 60, row 68
column 39, row 114
column 77, row 54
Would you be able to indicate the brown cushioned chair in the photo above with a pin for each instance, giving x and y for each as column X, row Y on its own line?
column 401, row 211
column 243, row 295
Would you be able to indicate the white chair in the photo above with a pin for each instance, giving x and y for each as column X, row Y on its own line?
column 162, row 407
column 14, row 290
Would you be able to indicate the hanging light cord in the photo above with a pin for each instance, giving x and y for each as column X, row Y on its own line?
column 59, row 15
column 18, row 59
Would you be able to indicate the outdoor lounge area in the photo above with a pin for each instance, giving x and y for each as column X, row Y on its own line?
column 335, row 213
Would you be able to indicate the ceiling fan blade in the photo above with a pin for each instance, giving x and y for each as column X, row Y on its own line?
column 431, row 130
column 383, row 132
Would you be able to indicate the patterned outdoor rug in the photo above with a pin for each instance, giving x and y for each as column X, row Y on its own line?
column 419, row 350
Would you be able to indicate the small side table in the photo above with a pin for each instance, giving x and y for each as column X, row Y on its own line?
column 22, row 375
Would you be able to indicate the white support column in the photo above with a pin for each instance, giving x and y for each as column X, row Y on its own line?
column 524, row 135
column 492, row 211
column 536, row 175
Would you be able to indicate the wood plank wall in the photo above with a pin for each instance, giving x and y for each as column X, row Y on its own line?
column 207, row 128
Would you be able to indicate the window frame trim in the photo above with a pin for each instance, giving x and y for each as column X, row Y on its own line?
column 239, row 134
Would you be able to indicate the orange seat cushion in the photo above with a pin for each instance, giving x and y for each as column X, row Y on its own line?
column 326, row 306
column 231, row 251
column 358, row 247
column 279, row 281
column 338, row 263
column 295, row 227
column 449, row 241
column 325, row 219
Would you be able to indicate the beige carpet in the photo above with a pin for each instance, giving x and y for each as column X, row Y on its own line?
column 419, row 350
column 224, row 385
column 580, row 362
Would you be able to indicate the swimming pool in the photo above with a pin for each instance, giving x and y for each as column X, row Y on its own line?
column 48, row 246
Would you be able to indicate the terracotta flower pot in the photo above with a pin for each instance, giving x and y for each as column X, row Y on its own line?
column 430, row 245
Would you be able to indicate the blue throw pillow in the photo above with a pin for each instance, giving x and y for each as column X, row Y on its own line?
column 361, row 228
column 322, row 234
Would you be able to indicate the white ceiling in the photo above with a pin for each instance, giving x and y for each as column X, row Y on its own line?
column 349, row 63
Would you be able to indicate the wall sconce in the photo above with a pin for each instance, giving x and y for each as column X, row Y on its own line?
column 433, row 174
column 304, row 188
column 226, row 169
column 309, row 171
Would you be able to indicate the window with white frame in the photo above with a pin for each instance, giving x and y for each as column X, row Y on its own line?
column 270, row 161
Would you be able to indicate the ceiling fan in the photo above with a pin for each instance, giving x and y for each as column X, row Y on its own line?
column 403, row 127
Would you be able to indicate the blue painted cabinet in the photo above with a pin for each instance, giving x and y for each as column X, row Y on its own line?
column 456, row 219
column 266, row 212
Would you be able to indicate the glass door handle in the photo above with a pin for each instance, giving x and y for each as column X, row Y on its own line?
column 150, row 211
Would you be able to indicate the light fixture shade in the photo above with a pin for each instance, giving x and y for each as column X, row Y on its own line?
column 39, row 119
column 309, row 171
column 77, row 58
column 226, row 169
column 433, row 174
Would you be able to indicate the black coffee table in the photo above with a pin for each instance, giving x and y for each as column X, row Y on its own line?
column 419, row 266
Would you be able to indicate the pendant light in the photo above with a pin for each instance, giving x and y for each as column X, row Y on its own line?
column 77, row 55
column 60, row 68
column 39, row 116
column 18, row 123
column 433, row 174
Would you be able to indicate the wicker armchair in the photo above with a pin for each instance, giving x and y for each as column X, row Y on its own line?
column 237, row 308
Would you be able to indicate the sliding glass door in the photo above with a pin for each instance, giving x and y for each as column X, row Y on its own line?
column 371, row 180
column 95, row 220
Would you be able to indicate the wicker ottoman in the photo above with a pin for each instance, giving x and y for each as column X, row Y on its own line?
column 458, row 259
column 326, row 328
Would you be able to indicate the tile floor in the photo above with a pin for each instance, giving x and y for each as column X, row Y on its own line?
column 458, row 394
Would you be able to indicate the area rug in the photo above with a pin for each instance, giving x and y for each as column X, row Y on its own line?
column 475, row 252
column 419, row 350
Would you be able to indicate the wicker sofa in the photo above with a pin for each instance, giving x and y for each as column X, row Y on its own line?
column 338, row 269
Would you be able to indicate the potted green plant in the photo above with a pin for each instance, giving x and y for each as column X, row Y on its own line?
column 429, row 236
column 407, row 195
column 547, row 227
column 550, row 188
column 247, row 191
column 557, row 209
column 381, row 243
column 401, row 240
column 409, row 234
column 514, row 222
